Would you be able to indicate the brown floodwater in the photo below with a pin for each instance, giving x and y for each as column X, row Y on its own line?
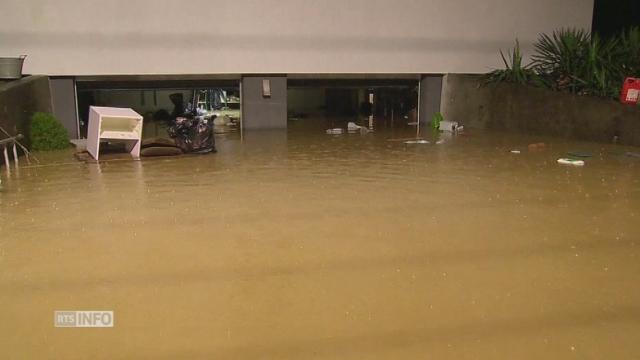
column 302, row 245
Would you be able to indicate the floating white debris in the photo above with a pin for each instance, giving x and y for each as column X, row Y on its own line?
column 567, row 161
column 336, row 131
column 416, row 142
column 351, row 126
column 515, row 151
column 451, row 126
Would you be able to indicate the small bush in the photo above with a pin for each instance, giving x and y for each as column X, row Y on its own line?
column 47, row 133
column 628, row 52
column 561, row 59
column 514, row 71
column 572, row 60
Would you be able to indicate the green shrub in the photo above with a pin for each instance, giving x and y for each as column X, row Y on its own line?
column 47, row 133
column 514, row 71
column 628, row 52
column 572, row 60
column 560, row 59
column 601, row 75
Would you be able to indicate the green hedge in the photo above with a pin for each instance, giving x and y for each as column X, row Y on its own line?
column 47, row 133
column 572, row 60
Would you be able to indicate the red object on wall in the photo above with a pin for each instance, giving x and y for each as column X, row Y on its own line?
column 630, row 91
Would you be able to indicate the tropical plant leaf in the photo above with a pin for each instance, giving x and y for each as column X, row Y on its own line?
column 572, row 60
column 514, row 71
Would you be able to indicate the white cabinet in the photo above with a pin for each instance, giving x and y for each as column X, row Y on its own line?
column 114, row 124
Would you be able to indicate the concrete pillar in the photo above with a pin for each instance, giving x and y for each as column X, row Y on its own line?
column 63, row 100
column 430, row 95
column 260, row 111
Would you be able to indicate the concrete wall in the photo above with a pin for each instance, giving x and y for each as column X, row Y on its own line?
column 92, row 37
column 63, row 100
column 19, row 100
column 464, row 100
column 430, row 97
column 259, row 112
column 538, row 111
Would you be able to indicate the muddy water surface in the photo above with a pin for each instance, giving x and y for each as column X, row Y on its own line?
column 301, row 245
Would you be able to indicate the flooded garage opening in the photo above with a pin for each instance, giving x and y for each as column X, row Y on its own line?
column 160, row 102
column 370, row 103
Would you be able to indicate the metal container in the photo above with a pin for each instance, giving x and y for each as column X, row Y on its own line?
column 11, row 67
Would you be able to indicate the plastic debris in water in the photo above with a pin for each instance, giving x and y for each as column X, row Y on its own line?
column 450, row 126
column 515, row 151
column 351, row 126
column 416, row 142
column 336, row 131
column 567, row 161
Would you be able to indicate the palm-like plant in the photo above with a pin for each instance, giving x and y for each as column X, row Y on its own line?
column 572, row 60
column 560, row 57
column 628, row 50
column 514, row 71
column 599, row 74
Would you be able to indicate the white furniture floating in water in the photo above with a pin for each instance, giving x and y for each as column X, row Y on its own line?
column 115, row 124
column 567, row 161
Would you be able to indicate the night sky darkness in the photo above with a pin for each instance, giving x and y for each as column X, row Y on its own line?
column 612, row 16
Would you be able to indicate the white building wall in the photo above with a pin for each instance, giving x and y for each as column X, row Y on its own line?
column 92, row 37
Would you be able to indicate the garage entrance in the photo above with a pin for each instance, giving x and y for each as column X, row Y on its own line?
column 373, row 103
column 163, row 100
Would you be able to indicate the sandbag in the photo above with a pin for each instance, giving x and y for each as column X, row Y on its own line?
column 160, row 151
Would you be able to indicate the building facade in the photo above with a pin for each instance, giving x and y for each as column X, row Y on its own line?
column 73, row 40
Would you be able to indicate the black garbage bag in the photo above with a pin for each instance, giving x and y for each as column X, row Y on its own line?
column 178, row 104
column 193, row 135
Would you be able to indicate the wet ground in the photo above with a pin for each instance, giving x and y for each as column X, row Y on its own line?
column 302, row 245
